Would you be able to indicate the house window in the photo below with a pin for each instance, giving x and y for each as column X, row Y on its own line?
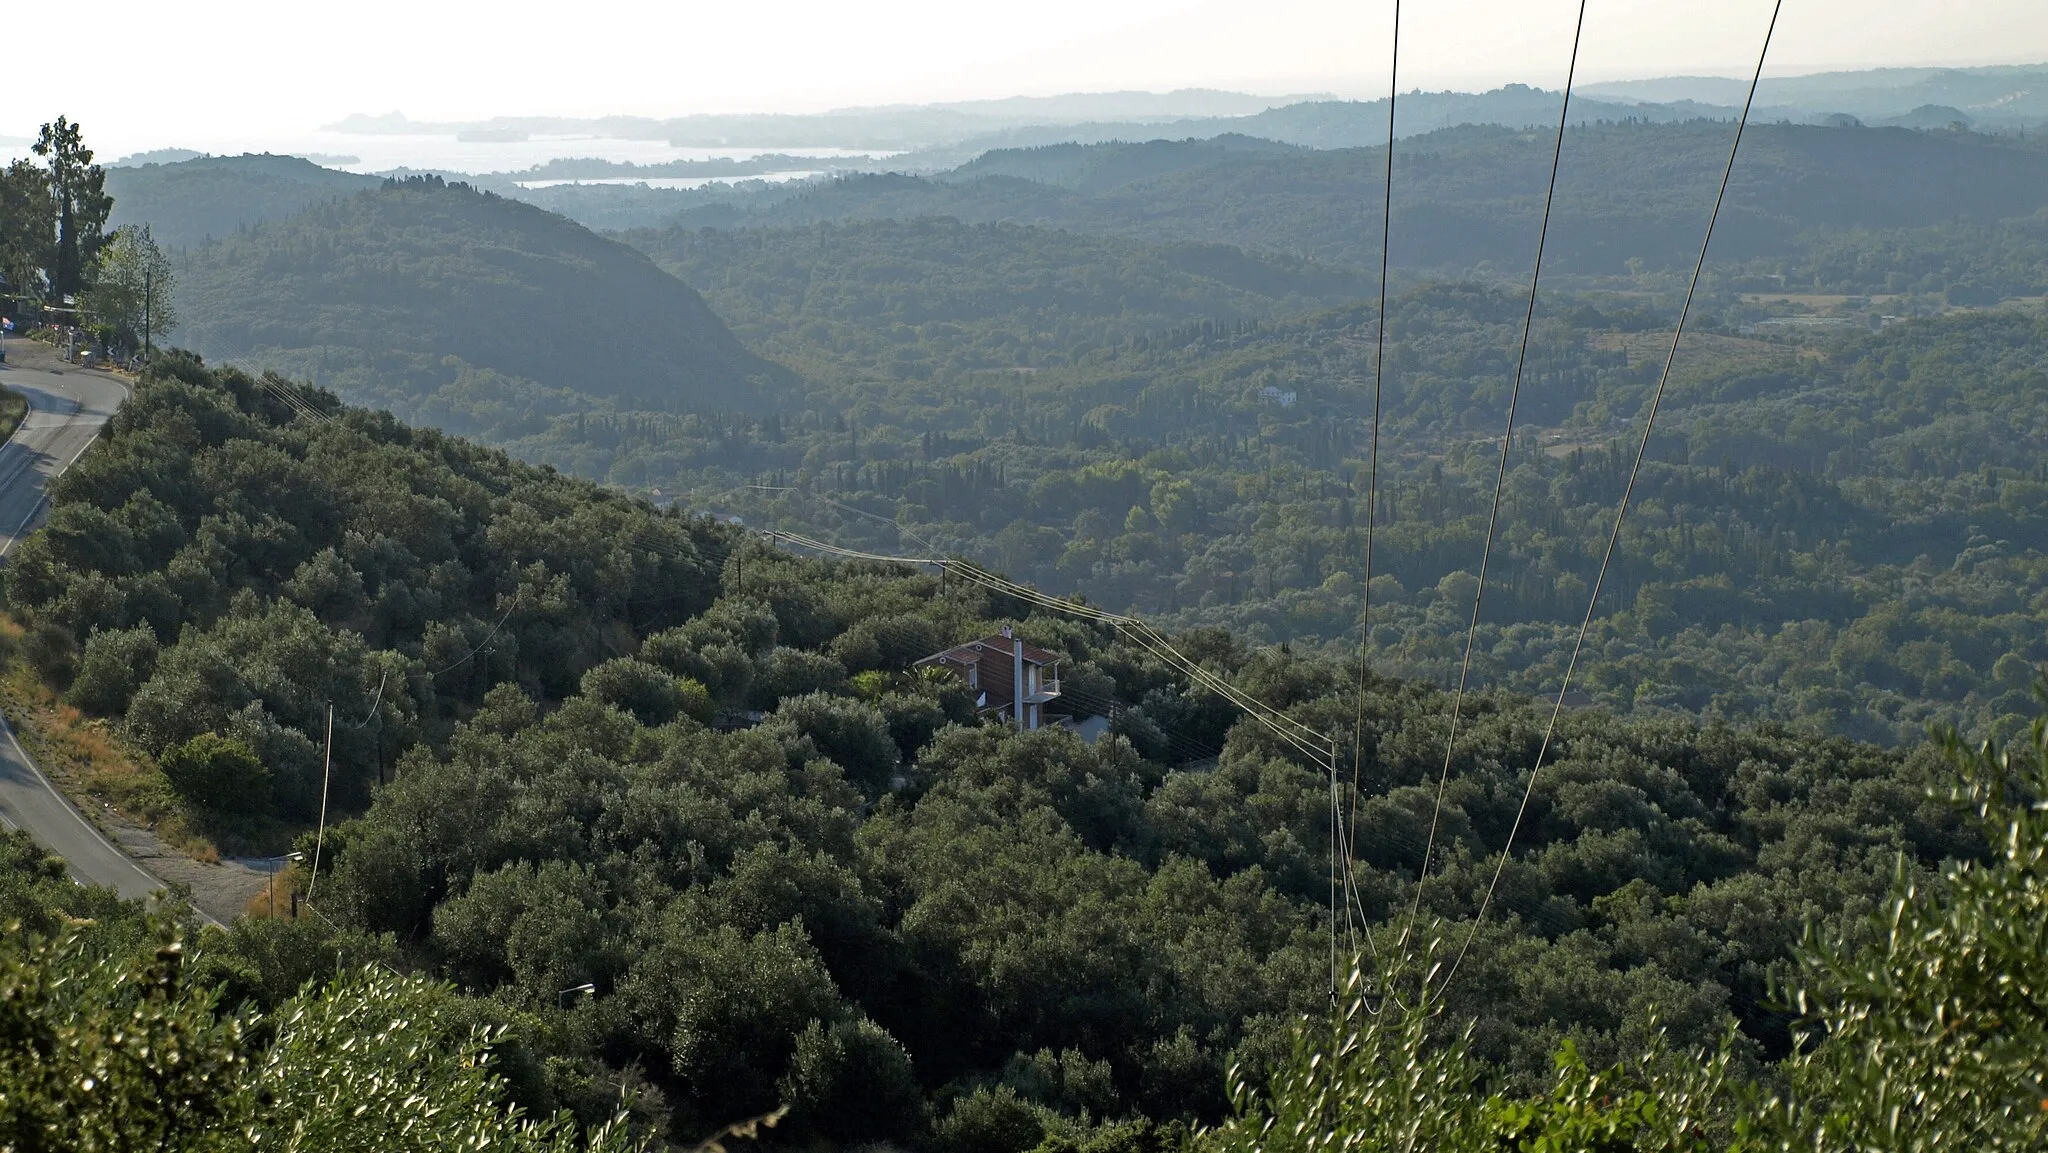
column 974, row 676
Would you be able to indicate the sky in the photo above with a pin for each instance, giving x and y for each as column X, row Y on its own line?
column 165, row 74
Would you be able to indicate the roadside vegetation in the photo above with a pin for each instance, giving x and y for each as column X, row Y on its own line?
column 13, row 408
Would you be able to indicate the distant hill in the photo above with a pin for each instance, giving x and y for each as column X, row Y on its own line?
column 1465, row 197
column 194, row 201
column 2003, row 95
column 157, row 156
column 1931, row 116
column 465, row 309
column 924, row 297
column 1361, row 123
column 1092, row 169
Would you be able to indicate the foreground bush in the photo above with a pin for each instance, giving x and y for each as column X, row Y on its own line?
column 118, row 1052
column 1923, row 1029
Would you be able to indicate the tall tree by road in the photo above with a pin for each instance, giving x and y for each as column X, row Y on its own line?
column 78, row 188
column 131, row 289
column 25, row 226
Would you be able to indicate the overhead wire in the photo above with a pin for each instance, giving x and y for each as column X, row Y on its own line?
column 899, row 526
column 1343, row 829
column 1621, row 510
column 375, row 703
column 298, row 404
column 1500, row 476
column 488, row 637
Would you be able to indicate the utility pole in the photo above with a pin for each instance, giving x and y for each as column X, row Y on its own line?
column 320, row 837
column 145, row 311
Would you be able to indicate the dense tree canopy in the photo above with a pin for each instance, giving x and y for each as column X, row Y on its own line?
column 53, row 216
column 1464, row 197
column 465, row 309
column 1923, row 1029
column 1838, row 533
column 192, row 202
column 680, row 823
column 622, row 749
column 230, row 563
column 114, row 1036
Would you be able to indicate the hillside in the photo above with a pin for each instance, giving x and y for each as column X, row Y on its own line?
column 472, row 309
column 1853, row 513
column 1095, row 169
column 582, row 742
column 933, row 295
column 2005, row 95
column 1363, row 123
column 1466, row 197
column 193, row 202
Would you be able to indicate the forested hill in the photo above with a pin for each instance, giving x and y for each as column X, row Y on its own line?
column 1097, row 168
column 192, row 202
column 465, row 309
column 1842, row 533
column 696, row 782
column 1468, row 197
column 914, row 298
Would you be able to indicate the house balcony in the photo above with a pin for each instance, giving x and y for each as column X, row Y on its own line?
column 1047, row 691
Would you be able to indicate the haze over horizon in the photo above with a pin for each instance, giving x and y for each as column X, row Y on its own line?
column 436, row 62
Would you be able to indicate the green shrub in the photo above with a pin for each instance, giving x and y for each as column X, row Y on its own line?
column 649, row 692
column 853, row 735
column 697, row 703
column 218, row 773
column 794, row 672
column 851, row 1081
column 116, row 663
column 989, row 1121
column 912, row 720
column 52, row 653
column 106, row 1051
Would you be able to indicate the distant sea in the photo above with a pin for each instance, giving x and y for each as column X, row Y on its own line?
column 379, row 153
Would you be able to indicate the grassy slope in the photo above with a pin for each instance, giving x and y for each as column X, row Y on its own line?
column 87, row 758
column 13, row 406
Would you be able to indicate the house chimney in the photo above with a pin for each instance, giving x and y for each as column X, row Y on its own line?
column 1016, row 675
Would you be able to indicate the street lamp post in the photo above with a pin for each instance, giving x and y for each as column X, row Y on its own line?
column 562, row 998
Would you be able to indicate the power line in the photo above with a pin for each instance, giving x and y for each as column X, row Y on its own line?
column 488, row 637
column 375, row 702
column 1507, row 441
column 283, row 390
column 1621, row 511
column 326, row 774
column 1349, row 829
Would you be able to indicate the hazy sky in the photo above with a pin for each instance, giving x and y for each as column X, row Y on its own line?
column 163, row 73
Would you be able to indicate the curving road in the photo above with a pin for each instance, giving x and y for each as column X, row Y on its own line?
column 67, row 407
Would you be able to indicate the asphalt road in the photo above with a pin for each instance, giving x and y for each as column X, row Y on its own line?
column 67, row 406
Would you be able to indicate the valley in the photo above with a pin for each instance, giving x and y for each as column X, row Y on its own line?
column 1033, row 643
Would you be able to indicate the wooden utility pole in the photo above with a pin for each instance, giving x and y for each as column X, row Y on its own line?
column 319, row 837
